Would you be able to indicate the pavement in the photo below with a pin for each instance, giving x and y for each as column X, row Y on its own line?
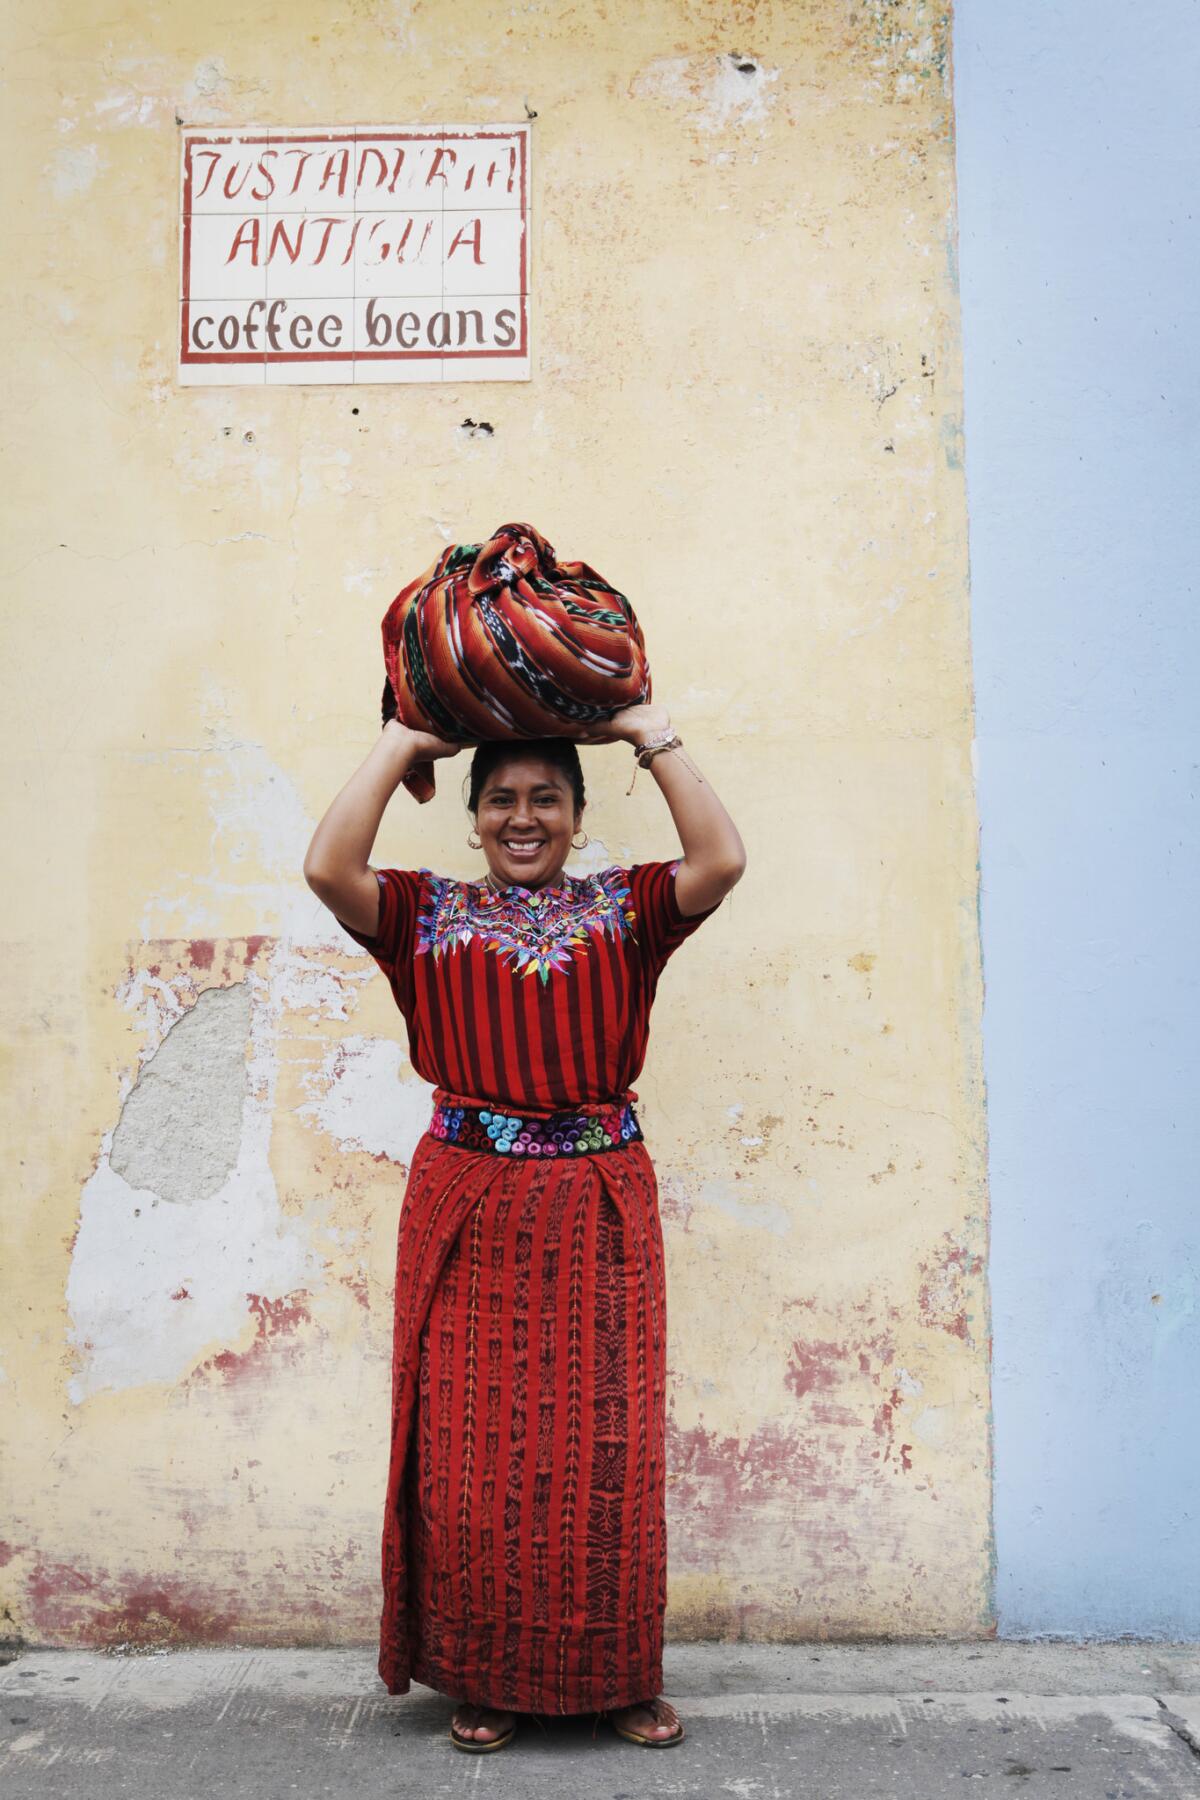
column 764, row 1722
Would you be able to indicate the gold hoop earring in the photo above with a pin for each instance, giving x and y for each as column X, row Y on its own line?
column 586, row 841
column 478, row 846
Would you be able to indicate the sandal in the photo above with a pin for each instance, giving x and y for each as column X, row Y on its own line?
column 496, row 1743
column 665, row 1714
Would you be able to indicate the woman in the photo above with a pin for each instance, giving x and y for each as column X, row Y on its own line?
column 524, row 1544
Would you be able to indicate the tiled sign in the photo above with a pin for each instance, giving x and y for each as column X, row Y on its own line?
column 385, row 254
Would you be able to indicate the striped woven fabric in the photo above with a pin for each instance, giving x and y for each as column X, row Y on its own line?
column 502, row 640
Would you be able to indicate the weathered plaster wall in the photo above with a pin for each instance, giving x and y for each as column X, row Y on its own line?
column 746, row 413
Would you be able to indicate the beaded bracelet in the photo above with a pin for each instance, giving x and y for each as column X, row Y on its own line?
column 644, row 754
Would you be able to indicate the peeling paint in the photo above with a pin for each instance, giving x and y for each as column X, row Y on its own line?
column 721, row 93
column 132, row 1253
column 367, row 1097
column 181, row 1122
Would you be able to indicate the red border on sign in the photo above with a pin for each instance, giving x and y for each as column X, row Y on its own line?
column 274, row 358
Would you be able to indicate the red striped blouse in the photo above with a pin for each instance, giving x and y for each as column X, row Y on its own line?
column 537, row 998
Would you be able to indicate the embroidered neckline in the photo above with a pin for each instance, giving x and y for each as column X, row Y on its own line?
column 567, row 885
column 533, row 938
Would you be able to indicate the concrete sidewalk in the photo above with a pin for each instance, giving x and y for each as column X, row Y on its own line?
column 764, row 1722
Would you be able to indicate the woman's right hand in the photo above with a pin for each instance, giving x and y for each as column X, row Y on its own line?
column 422, row 746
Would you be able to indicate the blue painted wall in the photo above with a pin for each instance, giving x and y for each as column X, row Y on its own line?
column 1080, row 265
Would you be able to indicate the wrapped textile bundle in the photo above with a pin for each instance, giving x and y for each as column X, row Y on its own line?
column 501, row 640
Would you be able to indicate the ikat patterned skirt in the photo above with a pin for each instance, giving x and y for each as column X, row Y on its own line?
column 524, row 1544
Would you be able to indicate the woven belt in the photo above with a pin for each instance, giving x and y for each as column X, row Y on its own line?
column 571, row 1133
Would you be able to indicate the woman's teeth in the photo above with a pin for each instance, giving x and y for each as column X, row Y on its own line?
column 524, row 849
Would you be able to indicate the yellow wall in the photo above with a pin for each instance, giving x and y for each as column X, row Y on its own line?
column 745, row 413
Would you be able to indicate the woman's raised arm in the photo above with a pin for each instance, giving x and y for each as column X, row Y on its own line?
column 336, row 866
column 714, row 856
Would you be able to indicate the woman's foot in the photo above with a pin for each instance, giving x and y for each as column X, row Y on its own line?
column 657, row 1720
column 481, row 1722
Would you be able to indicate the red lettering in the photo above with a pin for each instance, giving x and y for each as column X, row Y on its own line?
column 225, row 188
column 303, row 156
column 380, row 158
column 247, row 232
column 278, row 231
column 267, row 175
column 399, row 164
column 442, row 153
column 329, row 225
column 214, row 157
column 339, row 160
column 474, row 230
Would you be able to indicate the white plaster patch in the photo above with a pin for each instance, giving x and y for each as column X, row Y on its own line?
column 590, row 860
column 134, row 1252
column 325, row 470
column 362, row 581
column 366, row 1096
column 126, row 108
column 767, row 1215
column 934, row 1426
column 209, row 78
column 395, row 26
column 215, row 449
column 155, row 1004
column 257, row 819
column 721, row 92
column 72, row 170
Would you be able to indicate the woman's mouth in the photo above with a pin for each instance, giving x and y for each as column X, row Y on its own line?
column 524, row 849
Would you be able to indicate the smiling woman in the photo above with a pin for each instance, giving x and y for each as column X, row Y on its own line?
column 524, row 1538
column 527, row 808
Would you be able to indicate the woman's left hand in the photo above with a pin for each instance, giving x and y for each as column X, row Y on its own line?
column 631, row 725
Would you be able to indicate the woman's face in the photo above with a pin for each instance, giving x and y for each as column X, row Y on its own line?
column 526, row 818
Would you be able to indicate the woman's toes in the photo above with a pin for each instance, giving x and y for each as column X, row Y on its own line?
column 493, row 1724
column 478, row 1722
column 662, row 1723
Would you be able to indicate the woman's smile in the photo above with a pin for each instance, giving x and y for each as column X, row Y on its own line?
column 526, row 817
column 524, row 849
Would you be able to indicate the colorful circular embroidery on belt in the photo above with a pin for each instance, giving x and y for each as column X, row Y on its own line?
column 555, row 1134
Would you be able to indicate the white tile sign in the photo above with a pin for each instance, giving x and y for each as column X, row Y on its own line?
column 396, row 253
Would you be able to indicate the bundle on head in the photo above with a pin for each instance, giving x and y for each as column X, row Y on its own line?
column 502, row 641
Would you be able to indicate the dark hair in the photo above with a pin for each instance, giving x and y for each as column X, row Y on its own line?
column 559, row 751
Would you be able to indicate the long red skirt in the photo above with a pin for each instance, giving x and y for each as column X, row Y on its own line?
column 524, row 1543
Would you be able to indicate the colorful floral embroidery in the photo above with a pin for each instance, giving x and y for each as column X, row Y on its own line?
column 536, row 929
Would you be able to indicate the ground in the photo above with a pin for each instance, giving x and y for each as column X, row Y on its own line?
column 764, row 1722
